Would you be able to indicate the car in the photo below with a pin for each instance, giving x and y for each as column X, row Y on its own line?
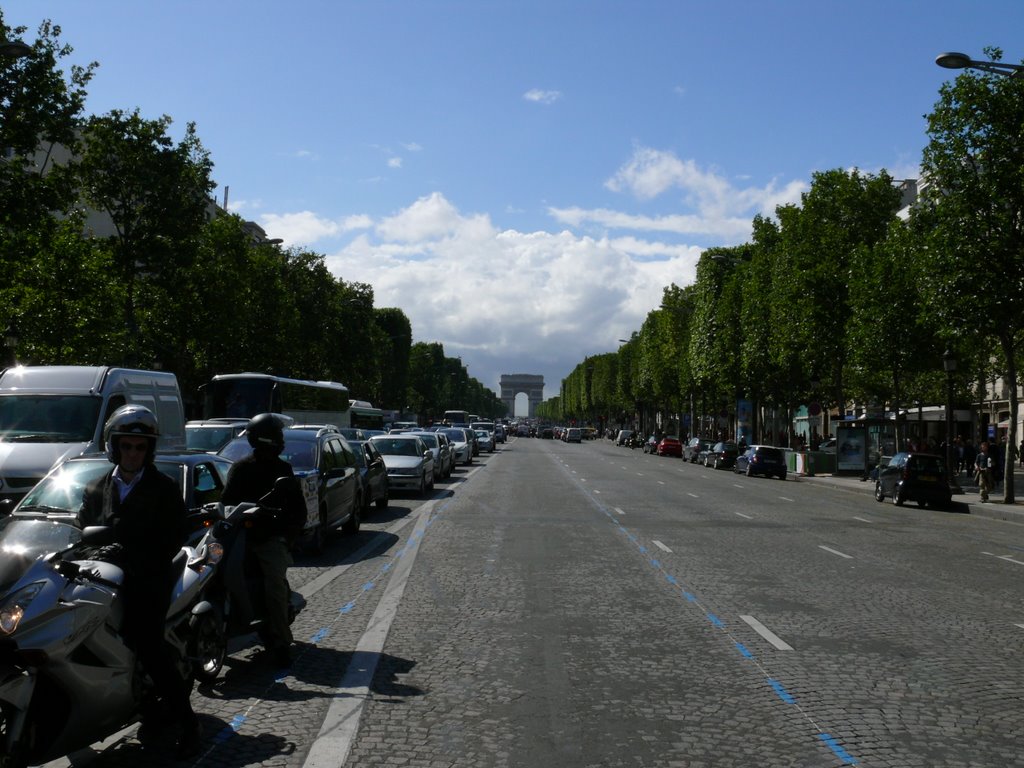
column 547, row 433
column 485, row 440
column 438, row 444
column 353, row 433
column 623, row 436
column 373, row 474
column 669, row 446
column 328, row 472
column 210, row 435
column 828, row 446
column 650, row 445
column 762, row 460
column 199, row 475
column 911, row 476
column 573, row 435
column 694, row 448
column 499, row 433
column 460, row 443
column 721, row 455
column 409, row 461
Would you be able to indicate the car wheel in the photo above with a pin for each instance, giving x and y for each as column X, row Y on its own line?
column 351, row 525
column 423, row 485
column 382, row 502
column 897, row 497
column 879, row 493
column 716, row 463
column 750, row 471
column 319, row 535
column 782, row 477
column 922, row 504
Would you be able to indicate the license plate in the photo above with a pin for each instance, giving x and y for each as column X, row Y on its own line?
column 928, row 478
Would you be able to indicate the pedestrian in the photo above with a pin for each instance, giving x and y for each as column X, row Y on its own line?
column 270, row 542
column 983, row 464
column 146, row 511
column 969, row 453
column 1020, row 452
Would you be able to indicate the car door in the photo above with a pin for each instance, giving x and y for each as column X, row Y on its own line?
column 376, row 472
column 339, row 481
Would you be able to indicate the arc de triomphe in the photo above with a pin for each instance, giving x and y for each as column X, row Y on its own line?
column 514, row 383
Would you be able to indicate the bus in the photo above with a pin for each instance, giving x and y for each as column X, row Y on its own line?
column 364, row 416
column 456, row 417
column 243, row 395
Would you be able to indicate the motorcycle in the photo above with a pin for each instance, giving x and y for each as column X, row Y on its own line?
column 236, row 592
column 67, row 678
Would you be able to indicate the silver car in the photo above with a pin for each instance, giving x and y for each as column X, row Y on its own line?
column 444, row 461
column 409, row 461
column 462, row 444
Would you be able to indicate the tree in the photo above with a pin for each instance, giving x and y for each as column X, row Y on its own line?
column 972, row 212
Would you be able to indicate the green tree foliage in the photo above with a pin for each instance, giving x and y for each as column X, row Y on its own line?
column 973, row 216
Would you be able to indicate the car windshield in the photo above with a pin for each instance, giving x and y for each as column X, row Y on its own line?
column 392, row 447
column 23, row 540
column 925, row 464
column 456, row 435
column 49, row 418
column 208, row 438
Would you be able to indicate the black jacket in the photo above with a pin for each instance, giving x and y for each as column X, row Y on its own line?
column 252, row 478
column 149, row 524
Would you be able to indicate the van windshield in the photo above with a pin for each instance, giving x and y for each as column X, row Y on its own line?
column 48, row 418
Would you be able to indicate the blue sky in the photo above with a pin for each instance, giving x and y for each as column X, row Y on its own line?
column 523, row 178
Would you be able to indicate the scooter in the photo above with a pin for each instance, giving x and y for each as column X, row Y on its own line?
column 236, row 592
column 67, row 678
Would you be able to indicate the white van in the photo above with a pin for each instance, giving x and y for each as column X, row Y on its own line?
column 51, row 413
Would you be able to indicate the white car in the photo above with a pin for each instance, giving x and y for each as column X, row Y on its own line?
column 444, row 462
column 409, row 461
column 461, row 442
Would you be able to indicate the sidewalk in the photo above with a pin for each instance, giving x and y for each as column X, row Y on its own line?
column 968, row 502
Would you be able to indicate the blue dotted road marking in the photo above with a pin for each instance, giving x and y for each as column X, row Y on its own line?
column 837, row 748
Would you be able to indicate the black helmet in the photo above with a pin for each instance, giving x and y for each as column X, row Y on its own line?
column 130, row 421
column 266, row 430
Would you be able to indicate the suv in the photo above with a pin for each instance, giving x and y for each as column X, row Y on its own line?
column 919, row 477
column 328, row 472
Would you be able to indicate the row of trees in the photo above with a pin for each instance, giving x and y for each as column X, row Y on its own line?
column 179, row 284
column 839, row 299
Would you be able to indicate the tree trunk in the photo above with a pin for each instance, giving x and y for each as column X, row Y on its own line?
column 1011, row 434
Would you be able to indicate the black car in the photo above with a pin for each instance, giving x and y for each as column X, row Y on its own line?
column 328, row 471
column 721, row 455
column 762, row 460
column 372, row 473
column 694, row 447
column 919, row 477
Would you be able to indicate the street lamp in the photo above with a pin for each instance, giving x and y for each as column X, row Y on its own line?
column 953, row 60
column 949, row 364
column 14, row 49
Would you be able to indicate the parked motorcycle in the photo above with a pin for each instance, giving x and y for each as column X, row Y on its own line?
column 236, row 592
column 67, row 679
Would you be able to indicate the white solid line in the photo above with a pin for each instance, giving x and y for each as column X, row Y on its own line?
column 1019, row 625
column 863, row 519
column 661, row 546
column 767, row 634
column 1007, row 558
column 618, row 510
column 742, row 515
column 835, row 551
column 785, row 498
column 694, row 495
column 736, row 485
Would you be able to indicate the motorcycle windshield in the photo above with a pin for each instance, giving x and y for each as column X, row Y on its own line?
column 23, row 541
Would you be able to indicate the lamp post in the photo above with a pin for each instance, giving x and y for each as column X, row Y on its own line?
column 14, row 49
column 949, row 364
column 953, row 60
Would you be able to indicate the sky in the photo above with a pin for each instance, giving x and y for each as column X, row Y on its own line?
column 524, row 178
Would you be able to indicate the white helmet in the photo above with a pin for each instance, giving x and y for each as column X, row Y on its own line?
column 130, row 421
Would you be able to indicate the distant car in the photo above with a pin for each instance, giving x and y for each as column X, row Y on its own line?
column 438, row 444
column 828, row 446
column 669, row 446
column 623, row 436
column 547, row 433
column 650, row 445
column 211, row 435
column 373, row 474
column 353, row 433
column 919, row 477
column 485, row 440
column 409, row 461
column 499, row 433
column 326, row 467
column 762, row 460
column 460, row 444
column 199, row 475
column 721, row 455
column 695, row 448
column 573, row 435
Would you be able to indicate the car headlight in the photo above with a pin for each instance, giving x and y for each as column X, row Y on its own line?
column 13, row 609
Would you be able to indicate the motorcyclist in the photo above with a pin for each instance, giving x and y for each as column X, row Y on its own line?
column 146, row 511
column 271, row 539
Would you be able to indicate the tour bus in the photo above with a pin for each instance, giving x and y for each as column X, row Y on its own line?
column 243, row 395
column 364, row 416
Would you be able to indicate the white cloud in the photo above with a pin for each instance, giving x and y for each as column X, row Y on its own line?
column 395, row 162
column 510, row 301
column 542, row 97
column 305, row 227
column 412, row 147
